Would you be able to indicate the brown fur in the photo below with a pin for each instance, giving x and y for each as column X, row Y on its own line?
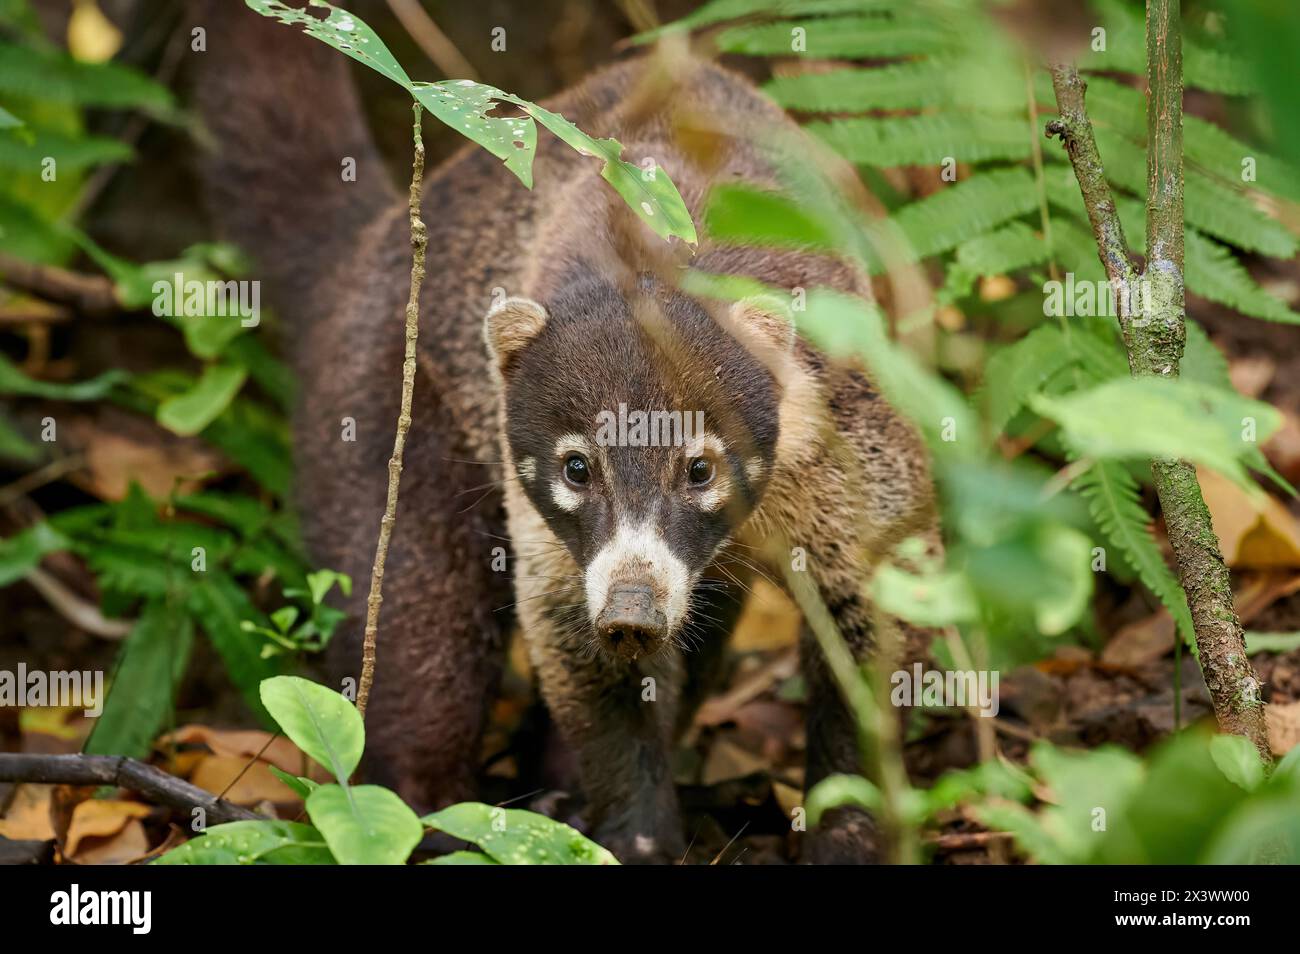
column 849, row 478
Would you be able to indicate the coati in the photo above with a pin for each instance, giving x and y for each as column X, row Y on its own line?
column 544, row 312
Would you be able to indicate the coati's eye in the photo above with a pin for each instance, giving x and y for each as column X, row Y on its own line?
column 700, row 470
column 576, row 469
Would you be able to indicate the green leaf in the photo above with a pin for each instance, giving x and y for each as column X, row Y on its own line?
column 1114, row 499
column 14, row 382
column 925, row 140
column 24, row 551
column 220, row 605
column 302, row 787
column 15, row 446
column 149, row 670
column 189, row 413
column 52, row 75
column 743, row 214
column 515, row 837
column 462, row 858
column 965, row 210
column 849, row 37
column 464, row 106
column 1017, row 372
column 1012, row 247
column 835, row 791
column 365, row 824
column 253, row 843
column 1238, row 760
column 319, row 721
column 932, row 599
column 1165, row 419
column 1272, row 643
column 934, row 81
column 341, row 30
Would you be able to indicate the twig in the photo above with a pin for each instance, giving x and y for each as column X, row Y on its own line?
column 419, row 243
column 120, row 772
column 430, row 38
column 92, row 295
column 1154, row 343
column 77, row 611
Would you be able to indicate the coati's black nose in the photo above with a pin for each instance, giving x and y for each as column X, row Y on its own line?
column 630, row 624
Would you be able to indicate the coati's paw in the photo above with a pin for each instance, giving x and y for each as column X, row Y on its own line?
column 638, row 849
column 846, row 836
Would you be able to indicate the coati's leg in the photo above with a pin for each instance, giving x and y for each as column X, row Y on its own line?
column 617, row 719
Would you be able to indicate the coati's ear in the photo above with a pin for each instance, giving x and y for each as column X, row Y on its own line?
column 510, row 325
column 764, row 325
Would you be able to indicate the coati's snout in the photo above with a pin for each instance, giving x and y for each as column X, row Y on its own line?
column 643, row 430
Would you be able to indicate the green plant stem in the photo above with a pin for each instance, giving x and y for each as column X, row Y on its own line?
column 1154, row 342
column 419, row 244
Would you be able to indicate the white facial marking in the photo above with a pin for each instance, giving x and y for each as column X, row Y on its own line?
column 712, row 499
column 528, row 469
column 754, row 469
column 572, row 444
column 565, row 497
column 700, row 443
column 639, row 553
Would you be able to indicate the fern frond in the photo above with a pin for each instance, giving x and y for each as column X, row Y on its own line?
column 1018, row 371
column 1004, row 250
column 912, row 84
column 849, row 37
column 962, row 211
column 925, row 140
column 1204, row 66
column 1212, row 207
column 1113, row 498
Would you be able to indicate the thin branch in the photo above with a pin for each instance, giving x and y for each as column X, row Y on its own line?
column 120, row 772
column 1154, row 342
column 92, row 295
column 430, row 38
column 419, row 243
column 80, row 613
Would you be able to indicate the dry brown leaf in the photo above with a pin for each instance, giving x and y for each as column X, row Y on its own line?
column 719, row 709
column 1283, row 448
column 244, row 744
column 118, row 452
column 1254, row 534
column 769, row 621
column 1283, row 727
column 100, row 818
column 216, row 774
column 128, row 845
column 727, row 760
column 788, row 797
column 28, row 817
column 1251, row 375
column 1141, row 642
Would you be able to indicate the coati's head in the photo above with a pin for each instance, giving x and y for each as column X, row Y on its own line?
column 643, row 428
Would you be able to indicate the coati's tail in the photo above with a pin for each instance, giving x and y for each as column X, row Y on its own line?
column 287, row 126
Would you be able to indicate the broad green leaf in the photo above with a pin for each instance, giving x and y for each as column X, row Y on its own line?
column 1238, row 760
column 516, row 837
column 52, row 75
column 932, row 599
column 189, row 413
column 836, row 791
column 8, row 120
column 319, row 721
column 253, row 843
column 148, row 671
column 1163, row 419
column 341, row 30
column 1272, row 643
column 744, row 214
column 365, row 824
column 465, row 106
column 462, row 858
